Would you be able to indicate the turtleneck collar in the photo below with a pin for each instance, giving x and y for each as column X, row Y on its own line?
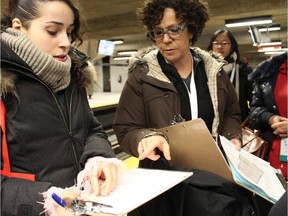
column 54, row 73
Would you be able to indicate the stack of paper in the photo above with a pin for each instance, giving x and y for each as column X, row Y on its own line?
column 253, row 173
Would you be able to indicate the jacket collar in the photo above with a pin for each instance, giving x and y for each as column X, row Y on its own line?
column 149, row 57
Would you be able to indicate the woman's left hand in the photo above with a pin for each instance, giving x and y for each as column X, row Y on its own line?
column 99, row 177
column 104, row 178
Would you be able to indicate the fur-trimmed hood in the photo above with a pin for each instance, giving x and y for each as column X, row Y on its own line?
column 8, row 80
column 148, row 56
column 91, row 74
column 268, row 67
column 86, row 77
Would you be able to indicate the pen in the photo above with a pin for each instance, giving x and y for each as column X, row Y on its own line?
column 88, row 208
column 60, row 201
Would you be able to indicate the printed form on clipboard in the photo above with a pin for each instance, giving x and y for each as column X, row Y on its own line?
column 253, row 173
column 136, row 187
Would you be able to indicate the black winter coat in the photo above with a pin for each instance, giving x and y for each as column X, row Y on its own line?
column 49, row 134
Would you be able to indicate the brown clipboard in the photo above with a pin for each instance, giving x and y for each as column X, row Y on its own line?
column 192, row 146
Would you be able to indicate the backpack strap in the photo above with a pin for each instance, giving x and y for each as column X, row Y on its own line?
column 6, row 171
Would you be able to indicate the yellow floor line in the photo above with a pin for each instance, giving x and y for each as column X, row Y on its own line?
column 131, row 162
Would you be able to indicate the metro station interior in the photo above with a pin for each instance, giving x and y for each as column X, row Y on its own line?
column 115, row 20
column 115, row 23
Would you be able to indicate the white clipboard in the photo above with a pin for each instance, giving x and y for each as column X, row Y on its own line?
column 136, row 187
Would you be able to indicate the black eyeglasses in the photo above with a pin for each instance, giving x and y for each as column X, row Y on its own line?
column 223, row 43
column 174, row 31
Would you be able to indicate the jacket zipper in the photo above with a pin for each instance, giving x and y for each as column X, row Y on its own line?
column 71, row 134
column 68, row 126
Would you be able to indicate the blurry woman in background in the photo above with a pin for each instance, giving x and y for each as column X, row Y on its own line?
column 224, row 43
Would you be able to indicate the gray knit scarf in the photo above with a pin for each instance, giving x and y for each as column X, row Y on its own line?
column 232, row 69
column 54, row 73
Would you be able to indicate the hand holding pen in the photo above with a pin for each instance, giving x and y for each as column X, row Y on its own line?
column 98, row 178
column 78, row 208
column 64, row 207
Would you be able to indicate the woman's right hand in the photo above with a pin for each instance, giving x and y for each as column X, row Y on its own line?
column 67, row 195
column 147, row 148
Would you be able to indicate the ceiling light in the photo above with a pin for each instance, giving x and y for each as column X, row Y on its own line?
column 271, row 43
column 128, row 52
column 118, row 41
column 121, row 58
column 269, row 28
column 248, row 21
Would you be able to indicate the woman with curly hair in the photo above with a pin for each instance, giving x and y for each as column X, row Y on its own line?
column 177, row 80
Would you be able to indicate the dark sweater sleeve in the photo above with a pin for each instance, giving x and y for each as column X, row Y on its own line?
column 97, row 143
column 22, row 197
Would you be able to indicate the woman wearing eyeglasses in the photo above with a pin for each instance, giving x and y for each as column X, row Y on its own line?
column 224, row 43
column 175, row 80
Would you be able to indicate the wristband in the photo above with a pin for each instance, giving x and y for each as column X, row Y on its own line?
column 156, row 133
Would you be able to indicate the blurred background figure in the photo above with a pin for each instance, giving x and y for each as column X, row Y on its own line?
column 224, row 45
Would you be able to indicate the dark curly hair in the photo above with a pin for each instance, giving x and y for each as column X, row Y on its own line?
column 192, row 12
column 27, row 10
